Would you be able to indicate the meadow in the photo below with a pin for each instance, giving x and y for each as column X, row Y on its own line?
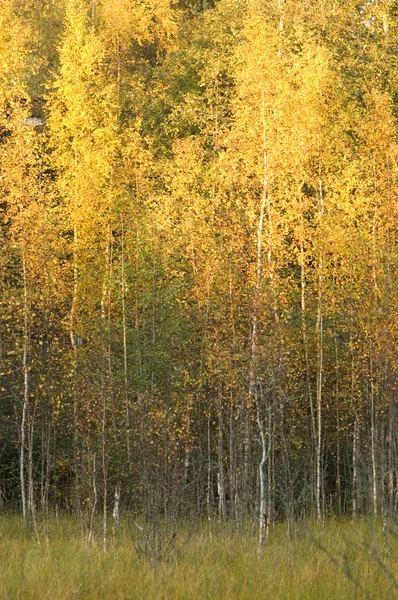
column 338, row 559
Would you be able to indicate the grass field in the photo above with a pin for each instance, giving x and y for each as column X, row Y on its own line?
column 340, row 559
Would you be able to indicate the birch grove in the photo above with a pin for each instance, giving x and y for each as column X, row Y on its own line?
column 198, row 312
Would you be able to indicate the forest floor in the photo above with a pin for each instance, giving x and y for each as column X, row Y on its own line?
column 341, row 559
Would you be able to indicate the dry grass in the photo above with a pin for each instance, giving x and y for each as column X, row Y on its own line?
column 321, row 562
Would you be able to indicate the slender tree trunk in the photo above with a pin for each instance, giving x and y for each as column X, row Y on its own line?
column 356, row 425
column 125, row 352
column 74, row 343
column 246, row 475
column 373, row 437
column 25, row 407
column 31, row 490
column 207, row 460
column 253, row 392
column 262, row 515
column 46, row 468
column 187, row 453
column 209, row 477
column 303, row 286
column 232, row 465
column 270, row 516
column 319, row 327
column 390, row 458
column 116, row 510
column 355, row 468
column 94, row 500
column 105, row 477
column 220, row 479
column 338, row 426
column 106, row 376
column 372, row 373
column 43, row 468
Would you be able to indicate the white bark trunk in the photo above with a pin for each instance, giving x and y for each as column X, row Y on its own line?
column 305, row 335
column 125, row 355
column 262, row 516
column 253, row 359
column 373, row 440
column 355, row 469
column 116, row 510
column 25, row 370
column 319, row 381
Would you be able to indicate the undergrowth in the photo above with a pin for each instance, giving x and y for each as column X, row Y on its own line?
column 338, row 559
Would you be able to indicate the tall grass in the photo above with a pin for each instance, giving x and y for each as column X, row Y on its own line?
column 333, row 560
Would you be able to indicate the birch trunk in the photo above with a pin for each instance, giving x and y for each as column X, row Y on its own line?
column 74, row 343
column 376, row 295
column 125, row 354
column 253, row 394
column 209, row 478
column 220, row 479
column 25, row 406
column 94, row 501
column 262, row 516
column 391, row 458
column 116, row 510
column 303, row 287
column 338, row 449
column 355, row 468
column 373, row 438
column 105, row 377
column 319, row 327
column 31, row 491
column 356, row 426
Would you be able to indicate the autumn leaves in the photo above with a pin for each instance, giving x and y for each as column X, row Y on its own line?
column 211, row 206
